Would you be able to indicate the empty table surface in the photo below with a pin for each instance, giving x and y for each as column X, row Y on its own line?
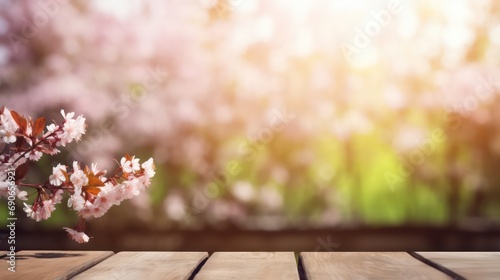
column 347, row 265
column 250, row 265
column 40, row 265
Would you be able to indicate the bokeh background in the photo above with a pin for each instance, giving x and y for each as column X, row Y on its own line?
column 328, row 118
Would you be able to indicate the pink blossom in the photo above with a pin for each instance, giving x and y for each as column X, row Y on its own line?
column 27, row 208
column 79, row 237
column 34, row 155
column 145, row 182
column 51, row 128
column 96, row 209
column 67, row 117
column 78, row 178
column 112, row 192
column 130, row 166
column 96, row 170
column 57, row 196
column 130, row 188
column 46, row 210
column 8, row 127
column 149, row 168
column 57, row 176
column 40, row 212
column 73, row 129
column 76, row 201
column 21, row 194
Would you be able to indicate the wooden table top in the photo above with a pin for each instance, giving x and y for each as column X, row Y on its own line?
column 40, row 265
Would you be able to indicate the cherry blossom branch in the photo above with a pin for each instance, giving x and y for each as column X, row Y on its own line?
column 91, row 193
column 33, row 147
column 30, row 185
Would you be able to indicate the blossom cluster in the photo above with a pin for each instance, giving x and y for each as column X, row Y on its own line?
column 92, row 192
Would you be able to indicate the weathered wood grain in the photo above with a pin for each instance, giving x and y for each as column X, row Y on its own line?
column 471, row 265
column 41, row 265
column 146, row 265
column 366, row 265
column 249, row 265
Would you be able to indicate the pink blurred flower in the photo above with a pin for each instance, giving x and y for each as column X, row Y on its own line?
column 8, row 127
column 79, row 237
column 40, row 211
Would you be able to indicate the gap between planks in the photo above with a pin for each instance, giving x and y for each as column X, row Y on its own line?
column 465, row 265
column 365, row 265
column 146, row 265
column 42, row 265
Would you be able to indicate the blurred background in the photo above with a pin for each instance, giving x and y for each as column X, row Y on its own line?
column 274, row 125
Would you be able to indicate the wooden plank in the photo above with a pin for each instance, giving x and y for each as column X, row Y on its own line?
column 366, row 265
column 249, row 265
column 471, row 265
column 146, row 265
column 41, row 265
column 3, row 253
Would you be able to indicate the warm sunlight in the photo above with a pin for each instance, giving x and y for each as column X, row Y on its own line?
column 253, row 115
